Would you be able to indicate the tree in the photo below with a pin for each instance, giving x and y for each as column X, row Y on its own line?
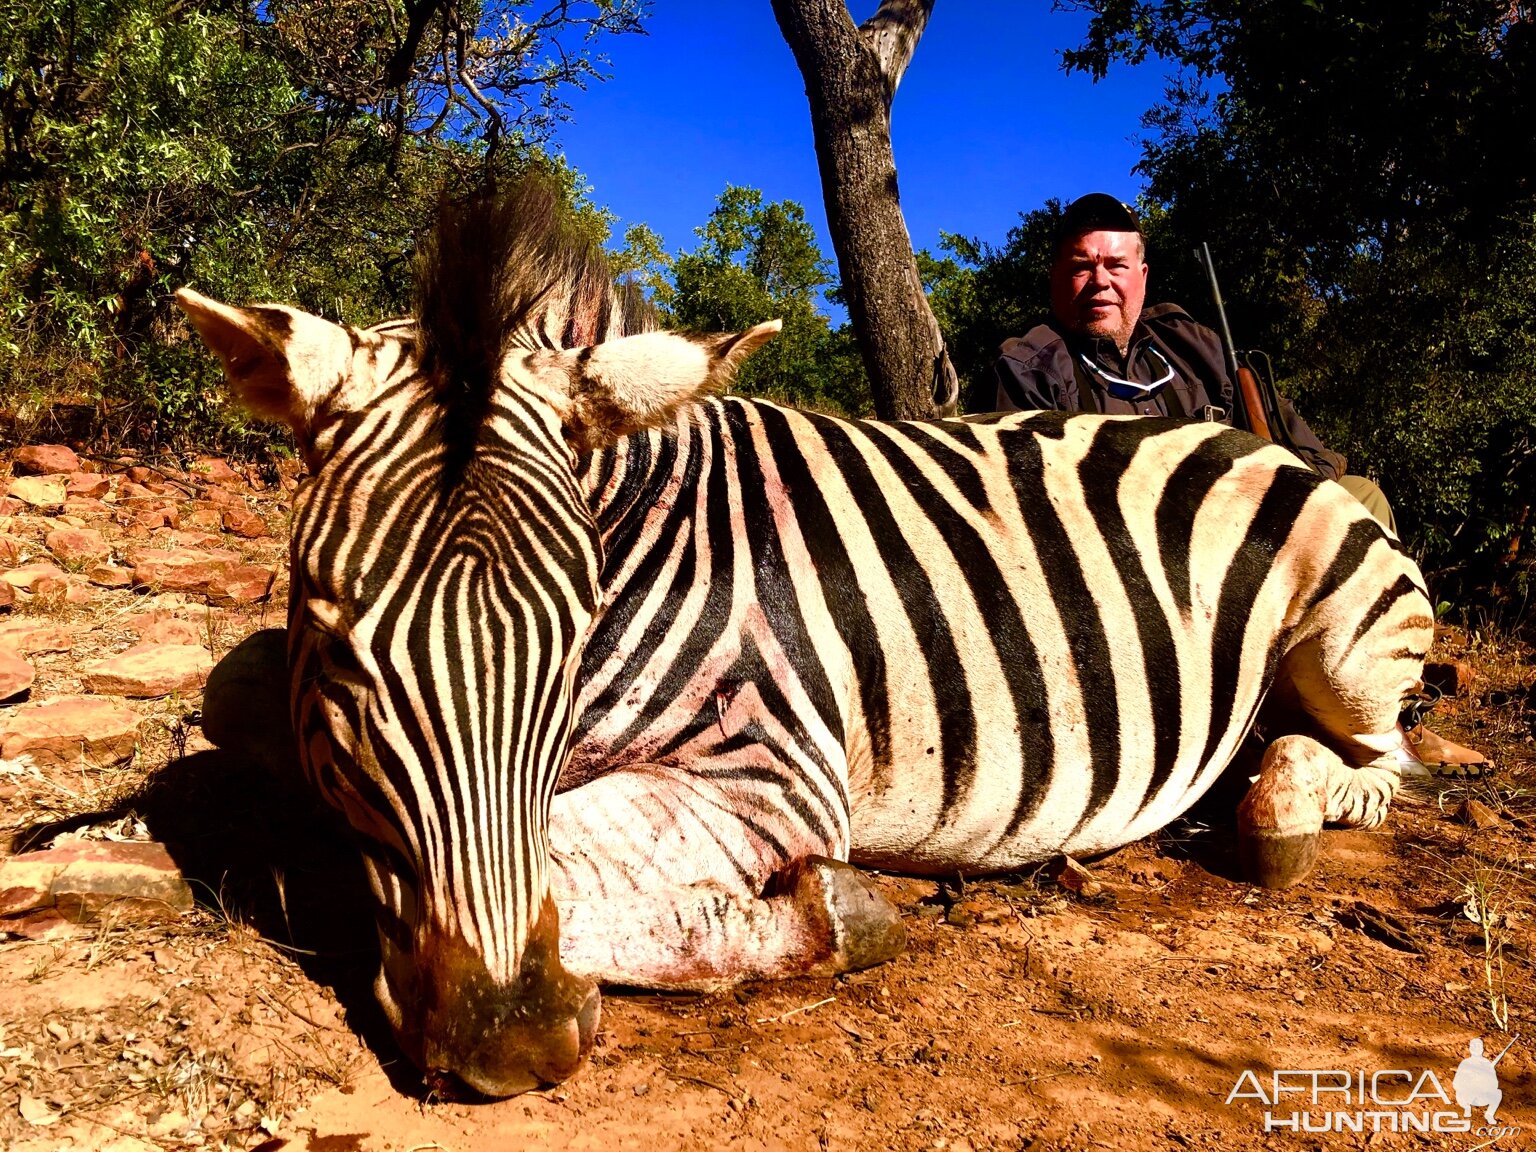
column 759, row 261
column 259, row 150
column 1367, row 174
column 851, row 73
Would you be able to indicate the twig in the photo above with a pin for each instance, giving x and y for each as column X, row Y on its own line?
column 700, row 1080
column 794, row 1011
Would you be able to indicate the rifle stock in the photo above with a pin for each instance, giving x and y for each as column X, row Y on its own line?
column 1249, row 389
column 1253, row 402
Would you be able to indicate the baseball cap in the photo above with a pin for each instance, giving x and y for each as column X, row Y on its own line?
column 1096, row 212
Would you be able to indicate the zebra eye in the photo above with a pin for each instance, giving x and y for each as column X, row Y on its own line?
column 326, row 616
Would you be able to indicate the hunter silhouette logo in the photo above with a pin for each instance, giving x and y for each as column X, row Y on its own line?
column 1387, row 1100
column 1476, row 1083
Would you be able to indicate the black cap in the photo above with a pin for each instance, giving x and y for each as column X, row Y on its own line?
column 1095, row 212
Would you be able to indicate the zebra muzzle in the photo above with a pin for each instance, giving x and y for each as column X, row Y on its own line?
column 504, row 1038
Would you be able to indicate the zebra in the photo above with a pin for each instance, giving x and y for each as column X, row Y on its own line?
column 616, row 679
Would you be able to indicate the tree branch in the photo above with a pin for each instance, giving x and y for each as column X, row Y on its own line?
column 892, row 34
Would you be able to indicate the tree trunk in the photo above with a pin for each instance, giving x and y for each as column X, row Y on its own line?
column 851, row 75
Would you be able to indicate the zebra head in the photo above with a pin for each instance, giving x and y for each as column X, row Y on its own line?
column 444, row 572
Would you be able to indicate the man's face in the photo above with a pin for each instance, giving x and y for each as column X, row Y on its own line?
column 1099, row 284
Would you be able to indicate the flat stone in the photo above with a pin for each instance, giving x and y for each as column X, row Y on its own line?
column 10, row 506
column 134, row 880
column 181, row 538
column 16, row 675
column 44, row 460
column 244, row 522
column 169, row 630
column 87, row 506
column 31, row 636
column 204, row 519
column 77, row 546
column 38, row 491
column 181, row 569
column 153, row 518
column 79, row 594
column 128, row 490
column 245, row 585
column 44, row 924
column 214, row 470
column 150, row 670
column 71, row 732
column 110, row 576
column 87, row 486
column 7, row 597
column 27, row 575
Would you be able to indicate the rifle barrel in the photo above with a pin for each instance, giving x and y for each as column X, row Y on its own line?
column 1228, row 348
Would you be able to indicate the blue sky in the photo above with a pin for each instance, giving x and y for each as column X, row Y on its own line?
column 985, row 125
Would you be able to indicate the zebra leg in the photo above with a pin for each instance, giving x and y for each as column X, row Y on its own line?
column 661, row 884
column 1280, row 821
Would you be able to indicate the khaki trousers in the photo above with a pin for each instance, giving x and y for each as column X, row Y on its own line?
column 1374, row 499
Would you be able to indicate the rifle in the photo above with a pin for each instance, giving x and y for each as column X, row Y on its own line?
column 1507, row 1047
column 1256, row 394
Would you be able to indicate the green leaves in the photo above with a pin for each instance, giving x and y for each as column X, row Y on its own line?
column 759, row 261
column 254, row 150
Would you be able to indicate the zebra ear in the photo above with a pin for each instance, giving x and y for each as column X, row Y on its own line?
column 279, row 360
column 636, row 382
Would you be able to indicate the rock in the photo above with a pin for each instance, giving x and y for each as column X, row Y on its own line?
column 7, row 597
column 87, row 486
column 110, row 576
column 44, row 460
column 44, row 924
column 10, row 550
column 180, row 538
column 77, row 546
column 214, row 471
column 1477, row 814
column 38, row 491
column 203, row 518
column 27, row 575
column 245, row 585
column 31, row 636
column 16, row 675
column 1450, row 678
column 181, row 569
column 79, row 594
column 71, row 732
column 50, row 589
column 128, row 490
column 1073, row 876
column 243, row 522
column 153, row 518
column 168, row 630
column 134, row 880
column 85, row 506
column 150, row 670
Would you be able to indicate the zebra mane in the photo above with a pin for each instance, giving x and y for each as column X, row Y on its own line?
column 506, row 262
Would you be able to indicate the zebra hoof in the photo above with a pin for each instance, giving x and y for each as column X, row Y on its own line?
column 1276, row 860
column 865, row 927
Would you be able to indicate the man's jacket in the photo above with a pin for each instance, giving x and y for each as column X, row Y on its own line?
column 1046, row 368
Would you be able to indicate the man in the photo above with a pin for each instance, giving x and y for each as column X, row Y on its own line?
column 1104, row 351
